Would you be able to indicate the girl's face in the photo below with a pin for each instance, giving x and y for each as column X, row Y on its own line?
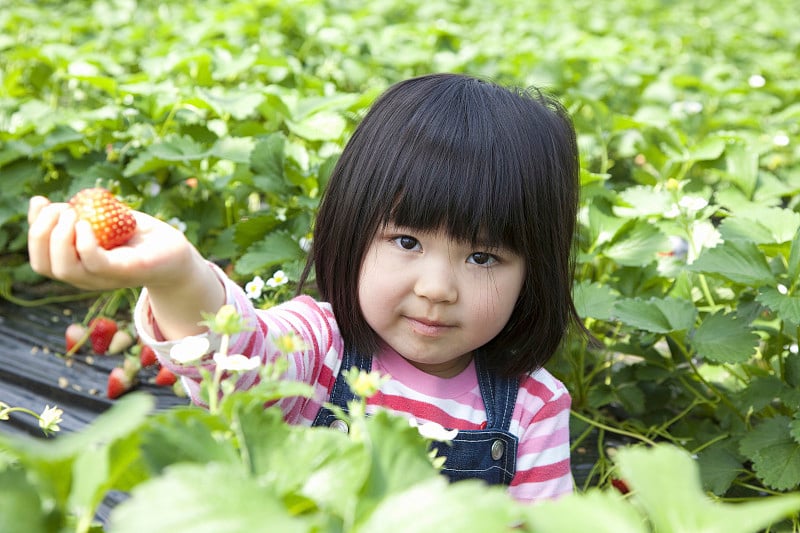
column 433, row 299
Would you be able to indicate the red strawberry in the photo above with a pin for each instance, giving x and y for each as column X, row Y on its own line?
column 165, row 377
column 620, row 485
column 111, row 220
column 147, row 356
column 74, row 336
column 101, row 331
column 119, row 382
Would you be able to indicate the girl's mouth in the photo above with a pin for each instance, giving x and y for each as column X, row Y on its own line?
column 428, row 328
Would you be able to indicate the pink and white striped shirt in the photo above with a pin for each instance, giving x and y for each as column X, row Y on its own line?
column 540, row 420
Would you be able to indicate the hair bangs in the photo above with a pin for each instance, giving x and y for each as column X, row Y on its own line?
column 461, row 176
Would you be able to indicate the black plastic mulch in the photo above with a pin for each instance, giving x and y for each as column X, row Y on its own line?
column 35, row 373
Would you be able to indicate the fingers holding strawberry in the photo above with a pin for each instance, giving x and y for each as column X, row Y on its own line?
column 112, row 222
column 96, row 242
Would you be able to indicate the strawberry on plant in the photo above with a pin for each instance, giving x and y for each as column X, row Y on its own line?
column 620, row 485
column 101, row 331
column 165, row 377
column 121, row 341
column 111, row 220
column 74, row 336
column 147, row 356
column 119, row 382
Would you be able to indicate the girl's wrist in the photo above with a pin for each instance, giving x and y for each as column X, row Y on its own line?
column 178, row 306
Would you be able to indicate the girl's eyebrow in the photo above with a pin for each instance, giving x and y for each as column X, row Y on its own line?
column 481, row 242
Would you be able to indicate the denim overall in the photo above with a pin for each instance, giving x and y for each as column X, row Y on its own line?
column 489, row 454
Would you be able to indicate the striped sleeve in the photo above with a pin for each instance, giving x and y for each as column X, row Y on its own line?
column 313, row 322
column 543, row 458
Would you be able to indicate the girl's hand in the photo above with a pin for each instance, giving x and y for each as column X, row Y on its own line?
column 64, row 248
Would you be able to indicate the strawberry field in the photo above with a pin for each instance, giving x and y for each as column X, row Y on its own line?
column 226, row 117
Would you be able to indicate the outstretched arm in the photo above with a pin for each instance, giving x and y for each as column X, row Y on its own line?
column 159, row 257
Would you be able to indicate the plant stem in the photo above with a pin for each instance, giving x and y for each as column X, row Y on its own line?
column 48, row 300
column 710, row 443
column 213, row 395
column 611, row 429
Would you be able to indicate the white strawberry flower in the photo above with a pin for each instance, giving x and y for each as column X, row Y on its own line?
column 278, row 278
column 50, row 418
column 433, row 430
column 756, row 81
column 235, row 362
column 254, row 287
column 692, row 204
column 189, row 350
column 305, row 243
column 178, row 224
column 780, row 139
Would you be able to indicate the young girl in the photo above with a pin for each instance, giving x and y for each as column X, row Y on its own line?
column 442, row 253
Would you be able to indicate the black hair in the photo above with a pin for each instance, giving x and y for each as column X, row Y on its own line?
column 482, row 162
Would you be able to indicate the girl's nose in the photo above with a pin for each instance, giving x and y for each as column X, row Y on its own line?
column 436, row 282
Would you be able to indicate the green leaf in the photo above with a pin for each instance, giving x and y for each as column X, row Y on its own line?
column 176, row 149
column 321, row 465
column 60, row 137
column 21, row 508
column 236, row 149
column 708, row 149
column 10, row 152
column 775, row 454
column 324, row 126
column 239, row 104
column 762, row 225
column 793, row 267
column 786, row 306
column 742, row 166
column 656, row 315
column 437, row 506
column 794, row 427
column 100, row 469
column 276, row 248
column 631, row 397
column 268, row 155
column 267, row 163
column 641, row 201
column 399, row 459
column 738, row 261
column 718, row 468
column 593, row 300
column 636, row 244
column 205, row 498
column 53, row 460
column 596, row 511
column 666, row 484
column 601, row 225
column 125, row 416
column 725, row 339
column 325, row 171
column 186, row 434
column 251, row 229
column 760, row 392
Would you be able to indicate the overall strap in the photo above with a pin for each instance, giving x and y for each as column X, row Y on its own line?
column 489, row 453
column 499, row 395
column 341, row 393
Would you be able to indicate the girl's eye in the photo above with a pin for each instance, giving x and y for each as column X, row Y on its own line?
column 482, row 259
column 406, row 243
